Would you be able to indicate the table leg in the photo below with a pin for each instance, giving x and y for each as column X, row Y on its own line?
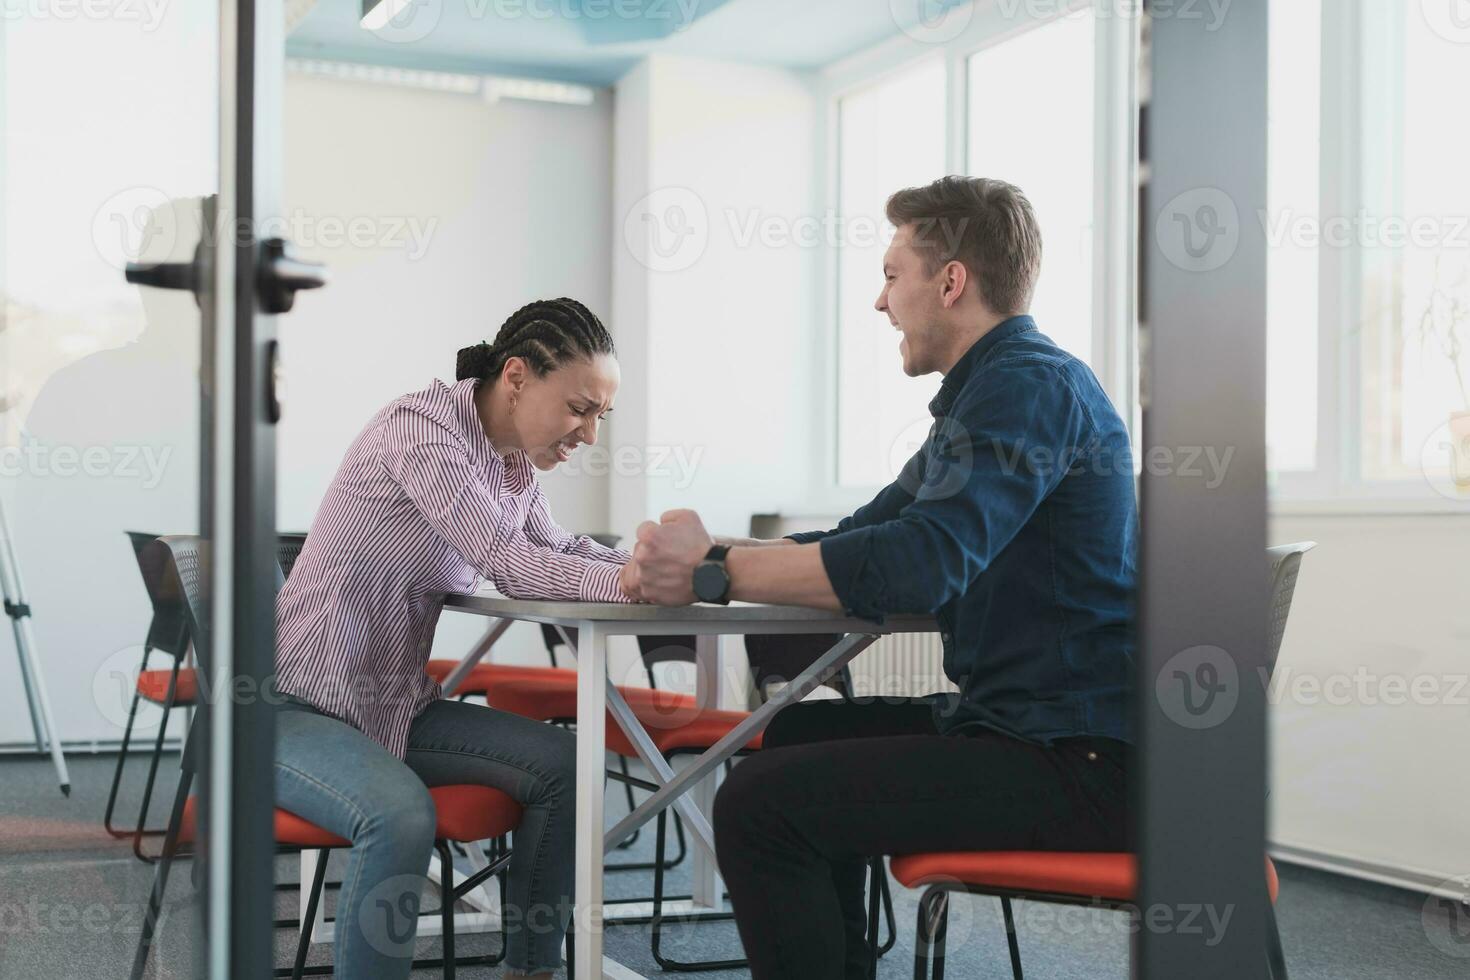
column 674, row 786
column 591, row 763
column 706, row 888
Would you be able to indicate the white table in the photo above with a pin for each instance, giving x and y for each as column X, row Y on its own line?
column 691, row 789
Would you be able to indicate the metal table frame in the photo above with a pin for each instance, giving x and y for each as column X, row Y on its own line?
column 692, row 789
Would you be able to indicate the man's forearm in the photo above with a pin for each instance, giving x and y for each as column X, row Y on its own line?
column 750, row 542
column 792, row 576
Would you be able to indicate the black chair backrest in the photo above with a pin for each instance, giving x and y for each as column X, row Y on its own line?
column 288, row 549
column 167, row 632
column 188, row 554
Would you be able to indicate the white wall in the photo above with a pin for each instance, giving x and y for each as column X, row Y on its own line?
column 718, row 328
column 1364, row 778
column 511, row 204
column 461, row 211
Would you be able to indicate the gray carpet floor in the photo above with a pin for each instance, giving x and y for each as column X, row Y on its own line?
column 71, row 899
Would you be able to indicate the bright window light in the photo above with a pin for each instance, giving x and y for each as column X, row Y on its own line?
column 1032, row 126
column 890, row 136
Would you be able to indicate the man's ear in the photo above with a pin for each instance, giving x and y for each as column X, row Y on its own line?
column 952, row 286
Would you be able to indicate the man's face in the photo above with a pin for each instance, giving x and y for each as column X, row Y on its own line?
column 912, row 299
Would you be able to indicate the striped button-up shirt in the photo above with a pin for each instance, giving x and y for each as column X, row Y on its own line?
column 422, row 505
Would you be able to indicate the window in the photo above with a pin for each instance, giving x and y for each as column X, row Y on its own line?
column 1368, row 275
column 1413, row 342
column 1030, row 123
column 1046, row 100
column 1293, row 141
column 890, row 135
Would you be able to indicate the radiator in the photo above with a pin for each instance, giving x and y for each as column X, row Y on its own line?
column 901, row 665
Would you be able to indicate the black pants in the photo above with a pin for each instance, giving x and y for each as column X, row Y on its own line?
column 838, row 783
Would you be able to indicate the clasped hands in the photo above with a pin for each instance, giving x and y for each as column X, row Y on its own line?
column 664, row 556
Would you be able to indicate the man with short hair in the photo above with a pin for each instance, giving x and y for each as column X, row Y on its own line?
column 1015, row 526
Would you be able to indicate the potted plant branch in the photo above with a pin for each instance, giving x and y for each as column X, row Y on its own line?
column 1444, row 324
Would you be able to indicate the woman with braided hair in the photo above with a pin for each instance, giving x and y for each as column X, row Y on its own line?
column 436, row 493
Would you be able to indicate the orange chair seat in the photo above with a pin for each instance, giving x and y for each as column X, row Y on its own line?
column 1112, row 876
column 553, row 699
column 483, row 676
column 462, row 813
column 153, row 686
column 701, row 731
column 673, row 720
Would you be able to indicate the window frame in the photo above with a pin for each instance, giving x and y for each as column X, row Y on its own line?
column 1353, row 97
column 1115, row 156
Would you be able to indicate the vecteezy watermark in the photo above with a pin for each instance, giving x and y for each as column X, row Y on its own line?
column 138, row 223
column 1444, row 458
column 1449, row 19
column 1365, row 687
column 115, row 679
column 405, row 21
column 1212, row 12
column 148, row 14
column 1365, row 229
column 35, row 458
column 1199, row 229
column 389, row 914
column 932, row 21
column 1446, row 920
column 1198, row 687
column 676, row 463
column 667, row 229
column 1185, row 919
column 670, row 228
column 35, row 916
column 935, row 458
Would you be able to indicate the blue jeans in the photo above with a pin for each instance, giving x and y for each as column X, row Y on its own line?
column 333, row 775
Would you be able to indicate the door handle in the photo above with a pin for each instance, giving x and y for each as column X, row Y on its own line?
column 170, row 275
column 164, row 275
column 282, row 274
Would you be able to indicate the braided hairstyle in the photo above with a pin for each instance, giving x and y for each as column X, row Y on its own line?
column 546, row 334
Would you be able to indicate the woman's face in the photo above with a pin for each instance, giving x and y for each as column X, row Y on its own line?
column 561, row 411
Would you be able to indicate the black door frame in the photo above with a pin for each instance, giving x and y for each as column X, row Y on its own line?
column 1201, row 775
column 239, row 516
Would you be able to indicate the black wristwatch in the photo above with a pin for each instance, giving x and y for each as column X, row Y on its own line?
column 711, row 580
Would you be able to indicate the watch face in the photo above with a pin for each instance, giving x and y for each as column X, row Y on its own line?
column 710, row 581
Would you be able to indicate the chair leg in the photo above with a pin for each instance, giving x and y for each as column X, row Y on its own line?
column 683, row 850
column 1011, row 941
column 923, row 935
column 875, row 898
column 929, row 935
column 304, row 943
column 446, row 903
column 160, row 876
column 122, row 757
column 632, row 803
column 886, row 894
column 1275, row 956
column 167, row 706
column 940, row 933
column 656, row 921
column 656, row 926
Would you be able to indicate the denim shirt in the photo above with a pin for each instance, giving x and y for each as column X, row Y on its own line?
column 1015, row 525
